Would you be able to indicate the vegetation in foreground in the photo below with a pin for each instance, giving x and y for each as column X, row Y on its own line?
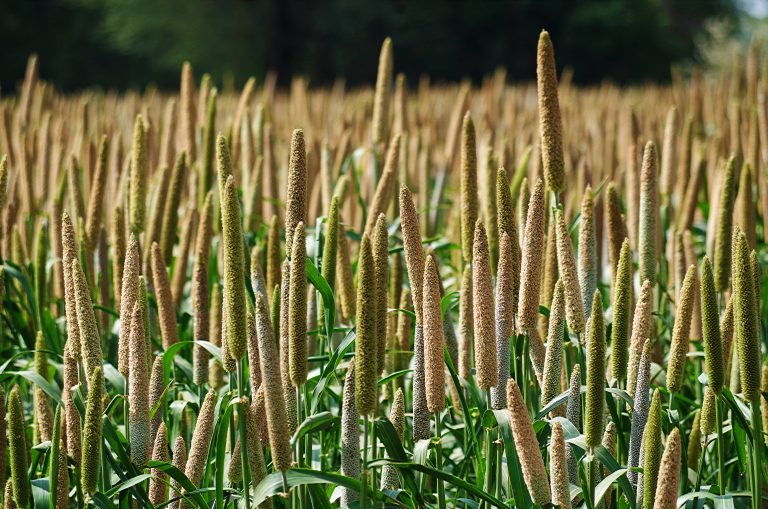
column 442, row 297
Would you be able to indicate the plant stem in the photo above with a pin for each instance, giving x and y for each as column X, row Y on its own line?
column 374, row 455
column 499, row 486
column 302, row 493
column 720, row 457
column 364, row 473
column 244, row 464
column 307, row 436
column 488, row 464
column 619, row 410
column 439, row 455
column 757, row 446
column 286, row 489
column 588, row 497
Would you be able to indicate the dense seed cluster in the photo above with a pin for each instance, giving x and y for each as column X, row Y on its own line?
column 230, row 269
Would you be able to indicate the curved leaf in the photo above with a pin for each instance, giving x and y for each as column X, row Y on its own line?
column 330, row 368
column 273, row 484
column 445, row 476
column 191, row 494
column 315, row 422
column 133, row 481
column 602, row 488
column 392, row 376
column 50, row 389
column 322, row 286
column 514, row 471
column 609, row 462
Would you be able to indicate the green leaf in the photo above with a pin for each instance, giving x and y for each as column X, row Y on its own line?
column 514, row 471
column 123, row 466
column 330, row 368
column 51, row 390
column 190, row 494
column 622, row 394
column 465, row 410
column 273, row 484
column 15, row 356
column 609, row 462
column 736, row 411
column 322, row 286
column 556, row 402
column 319, row 497
column 392, row 376
column 41, row 493
column 14, row 271
column 212, row 349
column 315, row 422
column 133, row 481
column 388, row 436
column 720, row 501
column 606, row 483
column 445, row 476
column 114, row 377
column 101, row 501
column 220, row 439
column 449, row 301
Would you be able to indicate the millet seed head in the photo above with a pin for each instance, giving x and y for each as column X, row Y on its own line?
column 469, row 200
column 434, row 339
column 587, row 267
column 366, row 344
column 649, row 199
column 652, row 451
column 553, row 360
column 531, row 462
column 574, row 307
column 531, row 264
column 138, row 391
column 414, row 253
column 550, row 122
column 234, row 261
column 724, row 233
column 680, row 332
column 595, row 399
column 129, row 295
column 622, row 296
column 381, row 268
column 138, row 187
column 92, row 433
column 745, row 319
column 382, row 97
column 297, row 308
column 710, row 318
column 382, row 198
column 274, row 400
column 558, row 468
column 296, row 202
column 18, row 449
column 350, row 436
column 669, row 473
column 641, row 330
column 484, row 311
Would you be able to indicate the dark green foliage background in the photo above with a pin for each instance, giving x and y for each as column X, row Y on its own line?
column 129, row 43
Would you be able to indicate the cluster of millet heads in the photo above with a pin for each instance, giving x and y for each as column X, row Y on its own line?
column 179, row 174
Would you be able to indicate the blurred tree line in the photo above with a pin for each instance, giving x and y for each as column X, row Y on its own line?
column 130, row 43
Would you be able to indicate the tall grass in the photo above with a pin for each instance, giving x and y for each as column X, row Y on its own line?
column 214, row 298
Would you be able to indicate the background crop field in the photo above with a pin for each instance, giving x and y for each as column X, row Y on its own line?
column 293, row 292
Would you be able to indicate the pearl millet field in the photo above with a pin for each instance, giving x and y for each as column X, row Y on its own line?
column 434, row 296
